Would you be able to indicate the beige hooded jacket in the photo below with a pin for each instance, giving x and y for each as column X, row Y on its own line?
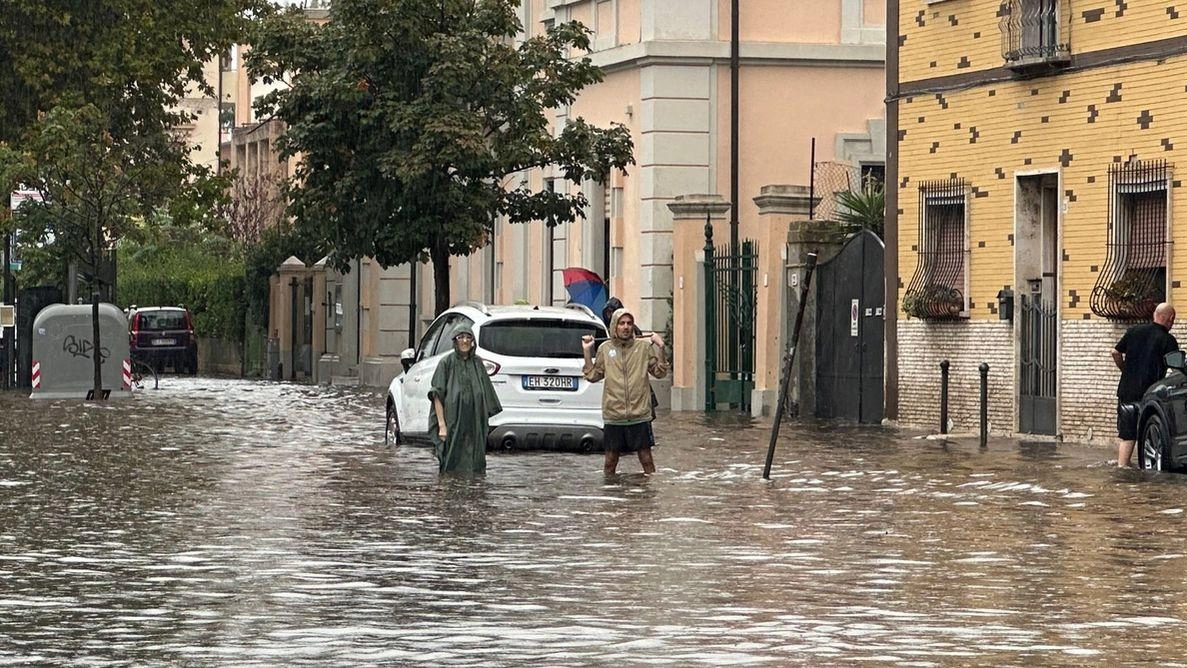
column 626, row 397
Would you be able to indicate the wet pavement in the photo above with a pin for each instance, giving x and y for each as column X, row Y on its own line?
column 226, row 522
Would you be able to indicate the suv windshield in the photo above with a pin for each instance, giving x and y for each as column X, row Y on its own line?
column 536, row 338
column 161, row 320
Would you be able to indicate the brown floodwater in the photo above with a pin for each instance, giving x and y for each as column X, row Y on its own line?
column 250, row 523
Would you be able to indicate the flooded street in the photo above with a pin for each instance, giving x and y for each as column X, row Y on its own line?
column 247, row 523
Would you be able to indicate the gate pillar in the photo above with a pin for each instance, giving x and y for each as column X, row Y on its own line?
column 785, row 224
column 690, row 213
column 286, row 314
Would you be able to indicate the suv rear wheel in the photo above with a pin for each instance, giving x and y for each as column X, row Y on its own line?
column 1153, row 454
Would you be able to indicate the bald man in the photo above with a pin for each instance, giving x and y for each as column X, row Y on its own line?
column 1139, row 354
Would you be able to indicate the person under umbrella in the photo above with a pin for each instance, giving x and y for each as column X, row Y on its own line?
column 464, row 400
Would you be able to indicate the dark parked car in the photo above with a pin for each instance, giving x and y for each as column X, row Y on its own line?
column 1162, row 427
column 163, row 336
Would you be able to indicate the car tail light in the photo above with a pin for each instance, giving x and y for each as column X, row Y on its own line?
column 491, row 367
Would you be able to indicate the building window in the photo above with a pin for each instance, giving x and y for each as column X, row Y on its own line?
column 1035, row 33
column 939, row 288
column 1132, row 280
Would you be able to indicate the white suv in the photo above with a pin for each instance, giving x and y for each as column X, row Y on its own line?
column 533, row 355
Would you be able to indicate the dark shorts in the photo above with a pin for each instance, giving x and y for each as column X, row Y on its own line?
column 626, row 438
column 1127, row 420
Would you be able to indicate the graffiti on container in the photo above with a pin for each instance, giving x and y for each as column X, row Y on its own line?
column 82, row 348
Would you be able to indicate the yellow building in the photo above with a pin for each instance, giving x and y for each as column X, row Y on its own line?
column 1031, row 150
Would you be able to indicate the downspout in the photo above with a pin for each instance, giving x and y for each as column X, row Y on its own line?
column 734, row 94
column 890, row 221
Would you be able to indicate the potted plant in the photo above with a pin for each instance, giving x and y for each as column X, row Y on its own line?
column 934, row 300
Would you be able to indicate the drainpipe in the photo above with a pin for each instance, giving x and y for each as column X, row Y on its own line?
column 734, row 67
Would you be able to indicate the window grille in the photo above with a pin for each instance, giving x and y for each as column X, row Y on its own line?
column 939, row 288
column 1035, row 32
column 1132, row 280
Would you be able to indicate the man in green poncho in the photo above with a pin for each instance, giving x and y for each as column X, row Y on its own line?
column 463, row 402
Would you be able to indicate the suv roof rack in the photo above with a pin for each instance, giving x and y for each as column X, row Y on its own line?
column 583, row 308
column 477, row 305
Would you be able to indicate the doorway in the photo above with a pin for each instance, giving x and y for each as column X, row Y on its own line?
column 1036, row 265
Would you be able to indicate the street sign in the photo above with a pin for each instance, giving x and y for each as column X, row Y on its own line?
column 854, row 311
column 7, row 315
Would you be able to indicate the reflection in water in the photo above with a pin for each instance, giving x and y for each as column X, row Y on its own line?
column 266, row 524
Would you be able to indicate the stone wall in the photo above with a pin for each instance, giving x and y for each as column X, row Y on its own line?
column 1086, row 376
column 922, row 345
column 219, row 357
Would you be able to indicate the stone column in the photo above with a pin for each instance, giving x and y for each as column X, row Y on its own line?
column 292, row 273
column 321, row 305
column 690, row 215
column 787, row 237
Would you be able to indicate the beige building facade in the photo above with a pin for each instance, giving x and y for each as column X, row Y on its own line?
column 806, row 70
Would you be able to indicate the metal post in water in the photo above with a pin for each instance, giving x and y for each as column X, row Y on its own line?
column 984, row 403
column 944, row 397
column 788, row 358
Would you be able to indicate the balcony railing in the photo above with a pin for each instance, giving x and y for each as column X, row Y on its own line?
column 1036, row 33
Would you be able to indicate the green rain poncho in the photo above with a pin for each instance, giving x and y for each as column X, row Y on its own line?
column 469, row 400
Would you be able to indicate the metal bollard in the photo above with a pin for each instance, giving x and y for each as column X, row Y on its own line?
column 984, row 403
column 944, row 397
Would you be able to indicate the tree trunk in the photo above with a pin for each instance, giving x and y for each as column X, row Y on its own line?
column 96, row 347
column 439, row 254
column 96, row 356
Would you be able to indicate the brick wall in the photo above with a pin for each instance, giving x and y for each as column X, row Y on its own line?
column 1087, row 377
column 965, row 344
column 1088, row 380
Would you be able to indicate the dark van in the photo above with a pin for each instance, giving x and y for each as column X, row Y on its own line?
column 163, row 336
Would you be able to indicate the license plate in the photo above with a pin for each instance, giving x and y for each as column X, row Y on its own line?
column 164, row 342
column 563, row 383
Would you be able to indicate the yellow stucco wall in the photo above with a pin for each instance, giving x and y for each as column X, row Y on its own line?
column 1077, row 124
column 961, row 36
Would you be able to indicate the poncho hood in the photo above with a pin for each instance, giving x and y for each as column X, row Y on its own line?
column 618, row 313
column 465, row 328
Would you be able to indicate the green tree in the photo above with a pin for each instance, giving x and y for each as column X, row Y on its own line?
column 411, row 116
column 89, row 92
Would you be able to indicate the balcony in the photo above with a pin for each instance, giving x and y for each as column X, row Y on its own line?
column 1036, row 35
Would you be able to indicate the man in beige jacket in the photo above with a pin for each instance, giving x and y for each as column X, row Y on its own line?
column 624, row 361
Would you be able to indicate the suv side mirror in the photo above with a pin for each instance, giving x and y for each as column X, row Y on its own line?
column 407, row 358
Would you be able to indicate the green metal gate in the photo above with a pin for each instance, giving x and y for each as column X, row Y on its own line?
column 729, row 323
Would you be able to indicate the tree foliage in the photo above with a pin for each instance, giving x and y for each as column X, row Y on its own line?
column 865, row 208
column 411, row 115
column 89, row 94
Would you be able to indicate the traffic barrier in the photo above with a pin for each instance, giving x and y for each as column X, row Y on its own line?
column 127, row 374
column 36, row 381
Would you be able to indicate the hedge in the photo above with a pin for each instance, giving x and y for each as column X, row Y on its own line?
column 210, row 284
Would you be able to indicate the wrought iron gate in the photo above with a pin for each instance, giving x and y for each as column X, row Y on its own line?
column 729, row 312
column 1036, row 373
column 849, row 331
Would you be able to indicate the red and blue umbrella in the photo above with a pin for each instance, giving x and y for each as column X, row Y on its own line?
column 585, row 287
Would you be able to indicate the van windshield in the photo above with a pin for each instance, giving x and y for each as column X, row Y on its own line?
column 162, row 320
column 558, row 339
